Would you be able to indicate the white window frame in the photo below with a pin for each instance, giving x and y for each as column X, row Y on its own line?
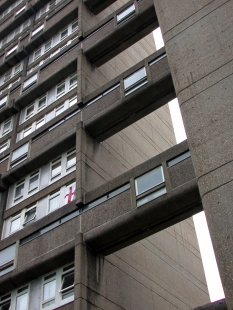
column 19, row 158
column 30, row 81
column 4, row 146
column 26, row 193
column 15, row 218
column 65, row 198
column 46, row 117
column 3, row 101
column 3, row 133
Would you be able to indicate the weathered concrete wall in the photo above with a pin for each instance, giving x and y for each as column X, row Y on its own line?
column 198, row 40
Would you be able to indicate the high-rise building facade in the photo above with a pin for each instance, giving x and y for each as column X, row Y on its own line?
column 93, row 189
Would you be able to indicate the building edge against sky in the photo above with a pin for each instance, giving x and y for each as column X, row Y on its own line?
column 73, row 155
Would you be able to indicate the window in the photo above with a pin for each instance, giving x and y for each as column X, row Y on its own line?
column 4, row 146
column 64, row 34
column 135, row 81
column 73, row 81
column 30, row 215
column 60, row 89
column 178, row 159
column 58, row 287
column 124, row 15
column 41, row 178
column 15, row 223
column 42, row 103
column 47, row 46
column 37, row 30
column 29, row 111
column 17, row 69
column 7, row 257
column 74, row 26
column 33, row 182
column 62, row 196
column 59, row 109
column 56, row 168
column 45, row 118
column 3, row 102
column 7, row 76
column 6, row 126
column 147, row 186
column 19, row 154
column 14, row 33
column 71, row 159
column 22, row 299
column 20, row 10
column 19, row 189
column 5, row 302
column 37, row 53
column 29, row 82
column 54, row 201
column 12, row 50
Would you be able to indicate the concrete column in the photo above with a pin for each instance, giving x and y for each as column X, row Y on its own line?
column 198, row 40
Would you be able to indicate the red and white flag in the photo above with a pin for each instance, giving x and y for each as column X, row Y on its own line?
column 70, row 193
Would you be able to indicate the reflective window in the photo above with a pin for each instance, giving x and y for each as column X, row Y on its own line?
column 20, row 152
column 126, row 13
column 135, row 81
column 149, row 180
column 30, row 215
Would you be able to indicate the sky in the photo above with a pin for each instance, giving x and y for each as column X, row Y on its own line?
column 207, row 253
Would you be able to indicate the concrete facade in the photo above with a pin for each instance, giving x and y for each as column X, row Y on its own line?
column 83, row 120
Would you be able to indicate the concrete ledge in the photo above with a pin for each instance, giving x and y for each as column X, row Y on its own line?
column 217, row 305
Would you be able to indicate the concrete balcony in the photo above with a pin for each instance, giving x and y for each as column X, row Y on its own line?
column 111, row 37
column 111, row 110
column 111, row 217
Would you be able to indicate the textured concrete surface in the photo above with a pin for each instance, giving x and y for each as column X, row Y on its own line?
column 199, row 42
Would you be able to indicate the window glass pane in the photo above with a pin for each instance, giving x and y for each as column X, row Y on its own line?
column 7, row 254
column 12, row 50
column 30, row 215
column 19, row 190
column 72, row 101
column 33, row 182
column 3, row 147
column 42, row 102
column 27, row 131
column 20, row 10
column 15, row 225
column 20, row 151
column 178, row 159
column 7, row 76
column 6, row 306
column 30, row 81
column 29, row 111
column 59, row 109
column 68, row 281
column 60, row 89
column 17, row 69
column 40, row 123
column 47, row 46
column 74, row 25
column 6, row 127
column 22, row 302
column 71, row 160
column 54, row 203
column 37, row 54
column 134, row 78
column 37, row 30
column 73, row 81
column 149, row 180
column 56, row 169
column 3, row 101
column 64, row 33
column 127, row 12
column 49, row 290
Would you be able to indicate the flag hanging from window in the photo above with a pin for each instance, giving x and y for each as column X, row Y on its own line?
column 70, row 193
